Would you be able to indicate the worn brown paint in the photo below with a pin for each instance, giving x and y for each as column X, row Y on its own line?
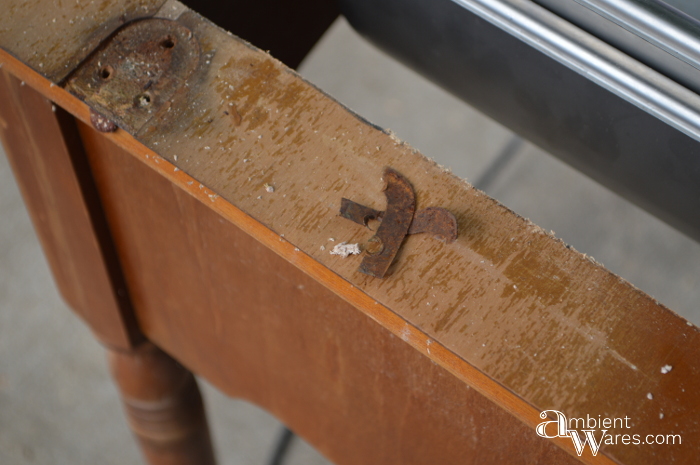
column 261, row 329
column 506, row 297
column 506, row 309
column 53, row 38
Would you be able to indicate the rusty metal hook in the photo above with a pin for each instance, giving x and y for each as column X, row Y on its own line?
column 397, row 222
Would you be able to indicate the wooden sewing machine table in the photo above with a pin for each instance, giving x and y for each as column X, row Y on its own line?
column 186, row 189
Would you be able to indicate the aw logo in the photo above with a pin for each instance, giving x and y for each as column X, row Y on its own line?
column 581, row 431
column 562, row 428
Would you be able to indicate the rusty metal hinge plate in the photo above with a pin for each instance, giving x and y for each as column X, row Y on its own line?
column 137, row 72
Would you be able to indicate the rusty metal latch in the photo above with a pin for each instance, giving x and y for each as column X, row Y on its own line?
column 397, row 222
column 136, row 73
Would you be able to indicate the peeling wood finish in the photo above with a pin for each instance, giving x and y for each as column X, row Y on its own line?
column 538, row 318
column 259, row 328
column 507, row 308
column 54, row 37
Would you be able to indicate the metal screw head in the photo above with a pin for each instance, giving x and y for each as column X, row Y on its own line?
column 374, row 246
column 101, row 122
column 143, row 100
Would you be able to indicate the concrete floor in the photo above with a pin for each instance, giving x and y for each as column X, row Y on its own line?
column 57, row 403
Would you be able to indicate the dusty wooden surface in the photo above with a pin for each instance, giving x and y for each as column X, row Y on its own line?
column 54, row 37
column 537, row 318
column 259, row 328
column 507, row 309
column 49, row 163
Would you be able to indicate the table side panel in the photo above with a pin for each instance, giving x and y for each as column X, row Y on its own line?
column 257, row 327
column 49, row 163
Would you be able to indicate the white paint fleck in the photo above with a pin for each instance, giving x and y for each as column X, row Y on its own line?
column 666, row 369
column 650, row 396
column 269, row 188
column 661, row 416
column 323, row 247
column 344, row 249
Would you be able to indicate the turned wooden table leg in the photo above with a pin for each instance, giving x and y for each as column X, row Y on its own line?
column 163, row 406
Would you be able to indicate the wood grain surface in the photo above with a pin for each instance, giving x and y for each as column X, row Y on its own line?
column 163, row 406
column 46, row 154
column 259, row 328
column 539, row 319
column 54, row 37
column 507, row 309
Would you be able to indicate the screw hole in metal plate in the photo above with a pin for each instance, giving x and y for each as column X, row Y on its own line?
column 106, row 72
column 168, row 42
column 143, row 100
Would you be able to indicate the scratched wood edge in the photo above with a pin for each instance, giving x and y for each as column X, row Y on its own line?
column 669, row 320
column 528, row 415
column 618, row 315
column 494, row 391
